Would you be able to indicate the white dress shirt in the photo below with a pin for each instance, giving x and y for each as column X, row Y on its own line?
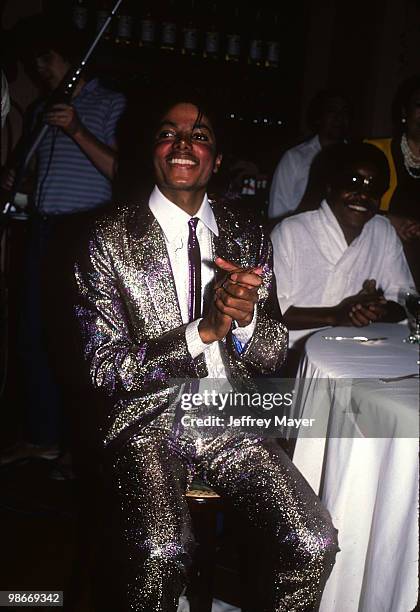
column 291, row 178
column 174, row 223
column 315, row 267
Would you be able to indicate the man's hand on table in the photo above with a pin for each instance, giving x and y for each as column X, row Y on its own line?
column 367, row 306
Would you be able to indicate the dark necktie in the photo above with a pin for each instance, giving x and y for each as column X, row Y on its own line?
column 194, row 265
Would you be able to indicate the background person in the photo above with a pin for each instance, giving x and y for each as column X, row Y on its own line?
column 328, row 118
column 75, row 165
column 401, row 201
column 342, row 264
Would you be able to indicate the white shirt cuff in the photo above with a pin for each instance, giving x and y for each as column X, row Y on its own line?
column 194, row 343
column 244, row 334
column 196, row 346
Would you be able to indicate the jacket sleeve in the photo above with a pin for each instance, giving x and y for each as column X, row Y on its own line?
column 118, row 365
column 267, row 348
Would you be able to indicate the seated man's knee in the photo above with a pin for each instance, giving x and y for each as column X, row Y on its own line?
column 318, row 545
column 310, row 544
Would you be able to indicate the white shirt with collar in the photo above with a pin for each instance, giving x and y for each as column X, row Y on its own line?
column 291, row 178
column 174, row 223
column 315, row 267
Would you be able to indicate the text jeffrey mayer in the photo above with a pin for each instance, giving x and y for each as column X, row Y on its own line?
column 277, row 421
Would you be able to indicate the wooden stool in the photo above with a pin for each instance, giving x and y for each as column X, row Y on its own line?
column 98, row 583
column 204, row 504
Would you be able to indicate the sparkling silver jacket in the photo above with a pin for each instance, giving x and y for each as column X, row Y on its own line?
column 132, row 332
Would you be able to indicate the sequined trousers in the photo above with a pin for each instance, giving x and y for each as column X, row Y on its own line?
column 152, row 472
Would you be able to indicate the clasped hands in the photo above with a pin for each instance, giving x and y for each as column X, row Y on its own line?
column 235, row 296
column 367, row 306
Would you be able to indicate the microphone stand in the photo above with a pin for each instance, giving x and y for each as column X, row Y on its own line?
column 63, row 93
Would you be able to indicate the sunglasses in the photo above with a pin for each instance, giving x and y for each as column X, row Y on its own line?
column 354, row 182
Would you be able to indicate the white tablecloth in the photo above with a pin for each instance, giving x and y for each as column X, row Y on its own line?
column 369, row 484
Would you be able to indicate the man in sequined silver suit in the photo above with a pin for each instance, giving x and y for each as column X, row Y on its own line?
column 139, row 336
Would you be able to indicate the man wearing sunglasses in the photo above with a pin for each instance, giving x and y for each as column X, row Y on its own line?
column 341, row 264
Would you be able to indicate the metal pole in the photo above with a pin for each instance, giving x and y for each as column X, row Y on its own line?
column 65, row 89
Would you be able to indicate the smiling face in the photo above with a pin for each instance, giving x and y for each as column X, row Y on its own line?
column 354, row 197
column 184, row 155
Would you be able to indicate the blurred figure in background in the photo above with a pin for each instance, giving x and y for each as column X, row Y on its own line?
column 75, row 165
column 401, row 202
column 328, row 118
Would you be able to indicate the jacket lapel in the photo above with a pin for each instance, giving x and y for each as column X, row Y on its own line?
column 147, row 248
column 151, row 257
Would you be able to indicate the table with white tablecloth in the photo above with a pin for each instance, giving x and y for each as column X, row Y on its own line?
column 365, row 465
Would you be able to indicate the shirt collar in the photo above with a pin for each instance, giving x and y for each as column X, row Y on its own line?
column 88, row 87
column 173, row 220
column 328, row 212
column 333, row 224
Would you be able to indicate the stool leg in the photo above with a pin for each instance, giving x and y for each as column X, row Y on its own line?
column 200, row 593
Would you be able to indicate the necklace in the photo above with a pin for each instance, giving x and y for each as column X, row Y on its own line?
column 411, row 161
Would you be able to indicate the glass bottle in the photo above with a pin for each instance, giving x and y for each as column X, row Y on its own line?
column 147, row 28
column 256, row 45
column 124, row 24
column 233, row 38
column 169, row 28
column 272, row 55
column 102, row 11
column 190, row 32
column 212, row 35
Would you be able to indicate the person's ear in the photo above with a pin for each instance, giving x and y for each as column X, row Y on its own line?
column 217, row 163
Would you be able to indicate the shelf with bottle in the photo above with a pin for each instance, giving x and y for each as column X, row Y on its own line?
column 169, row 28
column 204, row 29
